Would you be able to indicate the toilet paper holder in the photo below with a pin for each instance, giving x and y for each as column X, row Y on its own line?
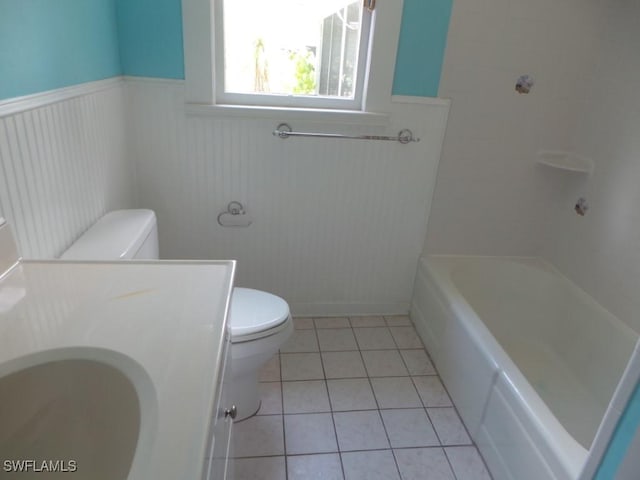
column 234, row 216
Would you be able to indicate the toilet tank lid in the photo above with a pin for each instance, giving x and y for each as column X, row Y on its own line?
column 117, row 235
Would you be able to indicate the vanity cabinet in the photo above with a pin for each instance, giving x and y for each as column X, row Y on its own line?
column 220, row 459
column 158, row 327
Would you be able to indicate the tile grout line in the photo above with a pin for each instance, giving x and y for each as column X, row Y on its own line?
column 354, row 410
column 441, row 445
column 375, row 398
column 424, row 403
column 453, row 472
column 455, row 409
column 284, row 431
column 351, row 350
column 431, row 447
column 446, row 455
column 333, row 420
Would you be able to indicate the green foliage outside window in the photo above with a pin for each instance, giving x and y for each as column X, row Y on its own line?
column 305, row 73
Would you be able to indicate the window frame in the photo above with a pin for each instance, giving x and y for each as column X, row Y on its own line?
column 284, row 100
column 199, row 24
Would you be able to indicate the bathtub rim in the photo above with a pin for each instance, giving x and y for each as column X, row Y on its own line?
column 548, row 428
column 548, row 267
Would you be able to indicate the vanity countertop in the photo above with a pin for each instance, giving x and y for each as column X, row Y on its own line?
column 162, row 323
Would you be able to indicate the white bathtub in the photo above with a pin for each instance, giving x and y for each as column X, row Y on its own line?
column 530, row 361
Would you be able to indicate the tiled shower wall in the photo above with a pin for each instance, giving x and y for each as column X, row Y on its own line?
column 62, row 165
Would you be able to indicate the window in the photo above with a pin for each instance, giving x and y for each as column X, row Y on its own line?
column 298, row 54
column 292, row 52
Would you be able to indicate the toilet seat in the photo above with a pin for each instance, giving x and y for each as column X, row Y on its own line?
column 256, row 314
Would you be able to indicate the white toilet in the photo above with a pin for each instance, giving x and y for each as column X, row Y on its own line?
column 259, row 321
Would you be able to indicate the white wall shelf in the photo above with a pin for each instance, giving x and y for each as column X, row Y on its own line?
column 568, row 161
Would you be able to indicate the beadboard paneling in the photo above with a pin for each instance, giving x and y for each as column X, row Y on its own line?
column 63, row 165
column 338, row 224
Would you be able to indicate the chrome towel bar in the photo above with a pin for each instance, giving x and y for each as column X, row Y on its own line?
column 404, row 136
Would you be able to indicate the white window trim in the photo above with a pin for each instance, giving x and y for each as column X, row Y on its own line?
column 291, row 101
column 199, row 55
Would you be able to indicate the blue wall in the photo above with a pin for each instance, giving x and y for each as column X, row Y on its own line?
column 423, row 38
column 151, row 42
column 622, row 437
column 48, row 44
column 150, row 34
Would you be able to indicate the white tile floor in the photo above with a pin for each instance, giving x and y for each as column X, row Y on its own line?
column 350, row 399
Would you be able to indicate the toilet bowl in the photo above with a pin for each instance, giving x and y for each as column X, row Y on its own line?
column 259, row 322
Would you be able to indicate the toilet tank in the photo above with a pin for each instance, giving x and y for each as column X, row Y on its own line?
column 119, row 235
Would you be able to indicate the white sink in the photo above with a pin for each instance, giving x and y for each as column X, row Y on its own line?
column 83, row 414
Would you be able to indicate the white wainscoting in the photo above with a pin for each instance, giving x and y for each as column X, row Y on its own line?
column 338, row 225
column 63, row 164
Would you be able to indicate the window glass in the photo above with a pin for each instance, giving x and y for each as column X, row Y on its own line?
column 308, row 48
